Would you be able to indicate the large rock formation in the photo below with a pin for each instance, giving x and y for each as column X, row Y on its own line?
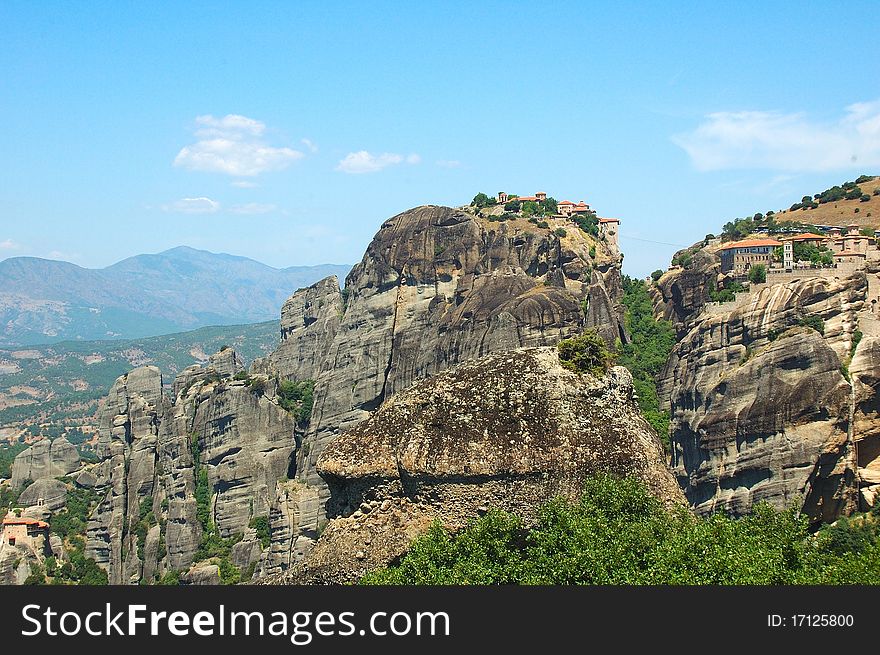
column 309, row 321
column 439, row 286
column 129, row 427
column 46, row 493
column 681, row 293
column 436, row 287
column 510, row 431
column 224, row 425
column 44, row 459
column 761, row 406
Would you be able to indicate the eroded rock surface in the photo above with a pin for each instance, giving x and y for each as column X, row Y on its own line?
column 509, row 430
column 439, row 286
column 761, row 407
column 44, row 459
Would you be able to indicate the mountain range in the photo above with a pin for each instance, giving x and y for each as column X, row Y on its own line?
column 46, row 301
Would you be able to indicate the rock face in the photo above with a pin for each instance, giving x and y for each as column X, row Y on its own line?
column 439, row 286
column 309, row 322
column 45, row 459
column 436, row 287
column 761, row 408
column 681, row 294
column 508, row 431
column 128, row 439
column 224, row 426
column 47, row 493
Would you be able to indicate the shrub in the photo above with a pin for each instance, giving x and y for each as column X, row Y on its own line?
column 170, row 578
column 656, row 275
column 257, row 385
column 853, row 193
column 592, row 252
column 261, row 525
column 543, row 224
column 758, row 274
column 864, row 197
column 297, row 398
column 586, row 353
column 241, row 375
column 560, row 232
column 619, row 534
column 813, row 322
column 863, row 178
column 588, row 223
column 856, row 338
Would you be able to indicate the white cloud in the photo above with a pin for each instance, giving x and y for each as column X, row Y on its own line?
column 449, row 163
column 253, row 208
column 9, row 244
column 790, row 142
column 364, row 162
column 199, row 205
column 233, row 145
column 308, row 143
column 245, row 184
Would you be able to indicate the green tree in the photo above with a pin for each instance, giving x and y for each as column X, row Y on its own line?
column 586, row 353
column 261, row 525
column 646, row 352
column 480, row 200
column 656, row 275
column 619, row 534
column 758, row 274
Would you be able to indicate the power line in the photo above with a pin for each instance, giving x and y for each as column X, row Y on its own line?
column 662, row 243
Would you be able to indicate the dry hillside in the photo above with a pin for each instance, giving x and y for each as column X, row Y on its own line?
column 842, row 212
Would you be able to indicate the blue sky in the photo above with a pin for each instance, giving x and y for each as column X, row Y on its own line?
column 287, row 132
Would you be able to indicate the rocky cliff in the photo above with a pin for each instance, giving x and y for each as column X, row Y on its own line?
column 438, row 286
column 508, row 430
column 224, row 430
column 309, row 321
column 44, row 459
column 681, row 293
column 771, row 397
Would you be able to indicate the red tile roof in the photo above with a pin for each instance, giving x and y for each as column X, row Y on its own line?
column 24, row 520
column 609, row 220
column 565, row 202
column 849, row 253
column 752, row 243
column 805, row 236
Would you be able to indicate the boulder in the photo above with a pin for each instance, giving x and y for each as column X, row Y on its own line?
column 48, row 493
column 45, row 459
column 508, row 431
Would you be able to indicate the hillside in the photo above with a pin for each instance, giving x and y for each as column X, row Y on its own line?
column 55, row 389
column 844, row 211
column 45, row 301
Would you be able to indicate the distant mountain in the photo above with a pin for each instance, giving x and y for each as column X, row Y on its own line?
column 46, row 301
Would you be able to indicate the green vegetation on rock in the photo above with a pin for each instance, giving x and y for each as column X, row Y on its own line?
column 586, row 353
column 619, row 534
column 646, row 353
column 297, row 398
